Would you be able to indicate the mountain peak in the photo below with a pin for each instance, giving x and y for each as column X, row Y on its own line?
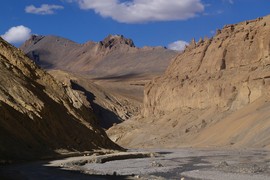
column 35, row 38
column 115, row 40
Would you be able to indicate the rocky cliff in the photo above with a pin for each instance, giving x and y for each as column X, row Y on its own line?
column 215, row 93
column 40, row 117
column 227, row 71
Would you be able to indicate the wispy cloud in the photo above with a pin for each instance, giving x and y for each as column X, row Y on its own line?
column 17, row 34
column 178, row 45
column 44, row 9
column 229, row 1
column 141, row 11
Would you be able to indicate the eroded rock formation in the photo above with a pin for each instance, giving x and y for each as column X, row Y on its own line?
column 228, row 71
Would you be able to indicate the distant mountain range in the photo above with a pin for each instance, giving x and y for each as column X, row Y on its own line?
column 113, row 57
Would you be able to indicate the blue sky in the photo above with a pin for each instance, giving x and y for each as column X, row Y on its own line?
column 147, row 22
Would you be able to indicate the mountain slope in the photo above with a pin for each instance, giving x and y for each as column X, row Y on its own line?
column 109, row 107
column 38, row 115
column 112, row 72
column 216, row 93
column 114, row 56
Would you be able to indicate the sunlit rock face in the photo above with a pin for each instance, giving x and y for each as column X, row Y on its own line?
column 227, row 71
column 214, row 94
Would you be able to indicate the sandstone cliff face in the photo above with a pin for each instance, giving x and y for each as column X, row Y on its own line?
column 228, row 71
column 38, row 115
column 215, row 93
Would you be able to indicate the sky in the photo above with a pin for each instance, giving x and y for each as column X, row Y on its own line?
column 168, row 23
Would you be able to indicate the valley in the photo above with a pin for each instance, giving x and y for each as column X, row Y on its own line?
column 152, row 112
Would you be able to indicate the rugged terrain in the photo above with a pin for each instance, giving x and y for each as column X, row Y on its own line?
column 110, row 106
column 115, row 56
column 215, row 93
column 112, row 73
column 40, row 117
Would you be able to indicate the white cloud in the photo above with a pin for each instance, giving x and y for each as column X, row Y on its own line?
column 17, row 34
column 139, row 11
column 178, row 45
column 44, row 9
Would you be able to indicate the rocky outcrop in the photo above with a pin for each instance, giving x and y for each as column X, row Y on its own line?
column 116, row 40
column 38, row 115
column 228, row 71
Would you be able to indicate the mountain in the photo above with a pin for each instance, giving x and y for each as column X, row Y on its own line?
column 40, row 117
column 112, row 72
column 112, row 57
column 108, row 106
column 215, row 93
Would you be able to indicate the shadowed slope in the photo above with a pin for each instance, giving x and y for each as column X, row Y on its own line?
column 113, row 70
column 39, row 116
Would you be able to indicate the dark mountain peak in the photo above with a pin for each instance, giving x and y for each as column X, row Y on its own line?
column 116, row 40
column 35, row 38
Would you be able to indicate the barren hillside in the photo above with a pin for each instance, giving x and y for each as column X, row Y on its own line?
column 115, row 56
column 216, row 93
column 109, row 106
column 112, row 72
column 40, row 117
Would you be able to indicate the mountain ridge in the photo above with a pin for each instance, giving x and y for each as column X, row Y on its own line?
column 115, row 55
column 41, row 117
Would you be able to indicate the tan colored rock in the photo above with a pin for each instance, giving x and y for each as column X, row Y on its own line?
column 220, row 72
column 38, row 115
column 213, row 94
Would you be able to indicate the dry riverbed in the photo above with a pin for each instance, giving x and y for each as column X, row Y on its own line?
column 151, row 164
